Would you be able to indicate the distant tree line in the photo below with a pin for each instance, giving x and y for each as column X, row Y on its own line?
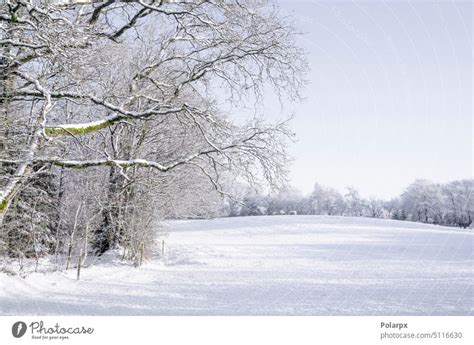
column 450, row 204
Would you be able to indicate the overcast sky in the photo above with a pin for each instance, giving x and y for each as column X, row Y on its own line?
column 389, row 98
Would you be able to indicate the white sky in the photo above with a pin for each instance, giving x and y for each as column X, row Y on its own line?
column 389, row 98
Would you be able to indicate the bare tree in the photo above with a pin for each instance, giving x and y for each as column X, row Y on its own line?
column 134, row 86
column 375, row 207
column 459, row 202
column 326, row 201
column 354, row 202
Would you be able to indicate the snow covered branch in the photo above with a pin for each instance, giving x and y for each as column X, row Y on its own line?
column 140, row 79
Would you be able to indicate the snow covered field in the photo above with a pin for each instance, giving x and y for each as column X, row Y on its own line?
column 278, row 265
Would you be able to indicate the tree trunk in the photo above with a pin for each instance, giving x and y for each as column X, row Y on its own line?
column 107, row 234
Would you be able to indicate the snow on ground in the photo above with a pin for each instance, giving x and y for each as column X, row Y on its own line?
column 278, row 265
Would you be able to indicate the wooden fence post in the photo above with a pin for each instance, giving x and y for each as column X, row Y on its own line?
column 142, row 249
